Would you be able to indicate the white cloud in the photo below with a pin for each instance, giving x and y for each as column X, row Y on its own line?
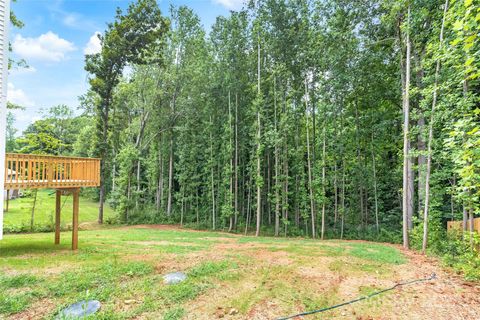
column 94, row 45
column 230, row 4
column 47, row 47
column 18, row 96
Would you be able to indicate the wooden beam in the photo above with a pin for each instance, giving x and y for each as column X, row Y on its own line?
column 58, row 209
column 75, row 195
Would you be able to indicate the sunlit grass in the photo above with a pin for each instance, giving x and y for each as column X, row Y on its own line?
column 120, row 265
column 18, row 217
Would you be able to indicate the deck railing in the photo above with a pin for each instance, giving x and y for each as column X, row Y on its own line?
column 27, row 171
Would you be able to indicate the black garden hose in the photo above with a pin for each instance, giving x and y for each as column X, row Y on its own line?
column 433, row 276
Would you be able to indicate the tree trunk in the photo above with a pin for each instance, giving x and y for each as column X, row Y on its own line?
column 101, row 199
column 138, row 183
column 247, row 220
column 430, row 139
column 32, row 217
column 411, row 190
column 309, row 169
column 375, row 191
column 170, row 177
column 236, row 164
column 230, row 227
column 359, row 161
column 421, row 164
column 310, row 185
column 277, row 197
column 212, row 181
column 183, row 207
column 197, row 209
column 114, row 170
column 344, row 210
column 285, row 203
column 259, row 147
column 406, row 150
column 159, row 195
column 335, row 192
column 128, row 196
column 323, row 181
column 104, row 115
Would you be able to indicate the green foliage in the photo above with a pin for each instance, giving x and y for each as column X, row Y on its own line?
column 462, row 254
column 56, row 133
column 287, row 108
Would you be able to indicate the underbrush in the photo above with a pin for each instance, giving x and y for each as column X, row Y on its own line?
column 458, row 251
column 150, row 215
column 462, row 254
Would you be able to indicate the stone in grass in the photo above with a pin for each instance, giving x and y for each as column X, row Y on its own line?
column 79, row 310
column 174, row 277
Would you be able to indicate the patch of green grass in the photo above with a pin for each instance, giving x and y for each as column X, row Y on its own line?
column 17, row 281
column 270, row 240
column 355, row 265
column 181, row 292
column 100, row 281
column 211, row 269
column 367, row 290
column 14, row 303
column 336, row 266
column 318, row 301
column 376, row 252
column 174, row 314
column 17, row 219
column 114, row 265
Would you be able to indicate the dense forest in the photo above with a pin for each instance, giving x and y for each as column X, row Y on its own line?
column 317, row 118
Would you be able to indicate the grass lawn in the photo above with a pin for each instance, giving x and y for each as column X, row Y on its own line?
column 229, row 277
column 17, row 219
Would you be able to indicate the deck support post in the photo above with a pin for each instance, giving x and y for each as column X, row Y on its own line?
column 58, row 211
column 8, row 200
column 75, row 193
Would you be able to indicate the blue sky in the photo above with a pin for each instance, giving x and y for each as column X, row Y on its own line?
column 56, row 36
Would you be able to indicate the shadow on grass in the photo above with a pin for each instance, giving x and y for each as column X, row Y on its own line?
column 10, row 249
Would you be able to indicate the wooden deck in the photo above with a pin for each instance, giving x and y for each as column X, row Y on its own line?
column 65, row 174
column 26, row 171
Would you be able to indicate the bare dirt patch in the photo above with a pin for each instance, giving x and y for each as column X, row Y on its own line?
column 38, row 310
column 270, row 279
column 327, row 279
column 448, row 297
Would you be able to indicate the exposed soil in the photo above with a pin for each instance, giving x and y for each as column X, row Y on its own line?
column 448, row 297
column 270, row 276
column 36, row 311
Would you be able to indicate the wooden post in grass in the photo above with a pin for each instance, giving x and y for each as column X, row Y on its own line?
column 8, row 198
column 58, row 211
column 75, row 193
